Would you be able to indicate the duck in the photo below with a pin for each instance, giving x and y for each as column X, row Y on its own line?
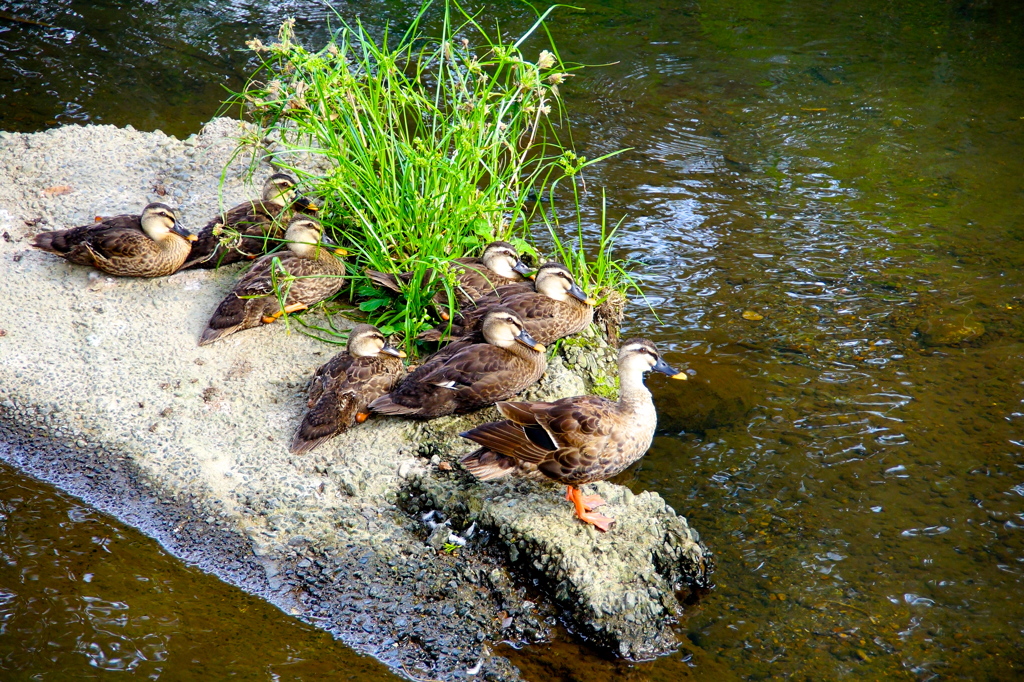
column 575, row 440
column 151, row 244
column 309, row 258
column 250, row 229
column 470, row 376
column 342, row 388
column 475, row 278
column 557, row 308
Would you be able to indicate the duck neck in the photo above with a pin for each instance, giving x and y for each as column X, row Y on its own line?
column 633, row 394
column 521, row 351
column 171, row 242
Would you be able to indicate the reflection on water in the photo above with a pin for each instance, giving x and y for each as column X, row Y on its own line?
column 852, row 173
column 79, row 593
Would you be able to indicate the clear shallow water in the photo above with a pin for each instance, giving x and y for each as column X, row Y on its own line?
column 853, row 173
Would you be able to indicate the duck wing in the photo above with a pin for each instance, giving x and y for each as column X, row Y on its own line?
column 120, row 235
column 344, row 396
column 560, row 437
column 327, row 373
column 259, row 229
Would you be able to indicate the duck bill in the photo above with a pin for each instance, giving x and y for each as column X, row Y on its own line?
column 665, row 368
column 581, row 295
column 306, row 205
column 182, row 232
column 329, row 243
column 530, row 342
column 524, row 270
column 391, row 350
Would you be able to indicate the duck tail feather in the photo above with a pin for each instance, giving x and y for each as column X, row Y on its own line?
column 385, row 405
column 487, row 465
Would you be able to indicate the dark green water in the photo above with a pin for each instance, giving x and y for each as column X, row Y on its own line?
column 82, row 597
column 851, row 171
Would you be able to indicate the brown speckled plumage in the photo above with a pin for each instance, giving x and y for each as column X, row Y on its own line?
column 474, row 278
column 319, row 275
column 344, row 387
column 574, row 440
column 120, row 246
column 259, row 224
column 547, row 319
column 469, row 376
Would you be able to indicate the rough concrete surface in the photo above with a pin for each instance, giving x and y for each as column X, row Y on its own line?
column 104, row 392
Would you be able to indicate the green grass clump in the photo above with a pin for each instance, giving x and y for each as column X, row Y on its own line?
column 425, row 149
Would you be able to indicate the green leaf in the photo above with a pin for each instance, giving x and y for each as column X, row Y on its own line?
column 373, row 304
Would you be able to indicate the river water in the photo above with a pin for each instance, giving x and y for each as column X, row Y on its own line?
column 825, row 202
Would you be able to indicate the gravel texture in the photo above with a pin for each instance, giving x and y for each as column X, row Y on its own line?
column 104, row 392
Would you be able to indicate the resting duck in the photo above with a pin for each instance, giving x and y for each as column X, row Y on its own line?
column 555, row 310
column 575, row 440
column 148, row 245
column 475, row 277
column 472, row 375
column 341, row 389
column 250, row 229
column 318, row 274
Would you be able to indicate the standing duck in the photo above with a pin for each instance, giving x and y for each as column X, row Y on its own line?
column 250, row 229
column 148, row 245
column 475, row 277
column 341, row 389
column 575, row 440
column 555, row 310
column 471, row 376
column 318, row 274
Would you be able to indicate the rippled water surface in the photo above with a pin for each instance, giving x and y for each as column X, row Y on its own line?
column 83, row 597
column 851, row 176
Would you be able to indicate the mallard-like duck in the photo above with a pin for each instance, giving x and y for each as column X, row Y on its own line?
column 341, row 389
column 152, row 244
column 257, row 226
column 471, row 376
column 575, row 440
column 476, row 277
column 555, row 310
column 318, row 273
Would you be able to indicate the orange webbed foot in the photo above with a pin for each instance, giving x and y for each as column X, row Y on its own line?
column 584, row 509
column 361, row 417
column 599, row 521
column 589, row 502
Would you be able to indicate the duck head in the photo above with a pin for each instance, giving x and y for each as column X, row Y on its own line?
column 279, row 189
column 159, row 221
column 502, row 258
column 366, row 340
column 555, row 281
column 638, row 356
column 503, row 328
column 304, row 237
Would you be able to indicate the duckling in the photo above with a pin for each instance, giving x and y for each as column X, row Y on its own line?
column 575, row 440
column 555, row 310
column 472, row 375
column 476, row 277
column 319, row 275
column 152, row 244
column 258, row 225
column 341, row 389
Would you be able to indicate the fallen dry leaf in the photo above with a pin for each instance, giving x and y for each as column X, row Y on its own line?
column 752, row 316
column 57, row 190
